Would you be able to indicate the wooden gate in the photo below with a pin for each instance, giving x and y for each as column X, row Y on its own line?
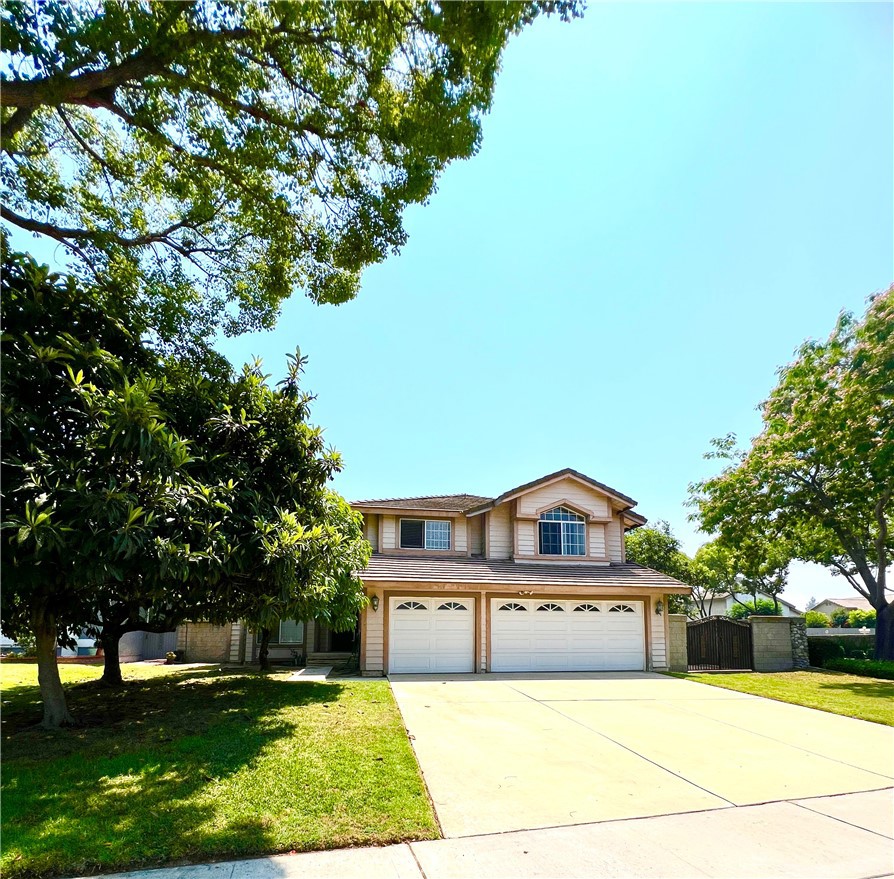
column 718, row 643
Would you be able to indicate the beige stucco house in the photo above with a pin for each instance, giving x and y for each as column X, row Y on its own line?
column 533, row 580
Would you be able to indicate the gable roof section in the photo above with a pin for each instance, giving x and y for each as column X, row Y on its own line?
column 857, row 602
column 493, row 572
column 451, row 503
column 568, row 471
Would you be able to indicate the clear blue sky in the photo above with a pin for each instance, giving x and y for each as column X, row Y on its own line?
column 669, row 198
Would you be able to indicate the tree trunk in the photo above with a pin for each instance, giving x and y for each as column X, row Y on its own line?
column 264, row 650
column 55, row 710
column 884, row 632
column 111, row 668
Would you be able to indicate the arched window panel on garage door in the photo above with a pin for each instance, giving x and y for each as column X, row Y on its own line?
column 551, row 607
column 586, row 607
column 452, row 605
column 621, row 608
column 512, row 605
column 411, row 605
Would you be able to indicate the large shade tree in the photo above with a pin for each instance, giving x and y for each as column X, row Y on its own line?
column 136, row 495
column 213, row 156
column 819, row 478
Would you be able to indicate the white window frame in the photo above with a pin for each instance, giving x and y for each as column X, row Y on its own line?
column 279, row 639
column 581, row 521
column 425, row 524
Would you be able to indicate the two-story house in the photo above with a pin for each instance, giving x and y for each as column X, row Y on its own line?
column 533, row 580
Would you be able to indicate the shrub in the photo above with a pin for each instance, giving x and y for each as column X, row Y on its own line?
column 856, row 619
column 764, row 607
column 839, row 617
column 821, row 650
column 814, row 619
column 873, row 668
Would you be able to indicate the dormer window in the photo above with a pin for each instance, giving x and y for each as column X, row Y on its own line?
column 424, row 534
column 562, row 532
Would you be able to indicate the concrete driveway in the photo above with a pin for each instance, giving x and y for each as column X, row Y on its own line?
column 522, row 751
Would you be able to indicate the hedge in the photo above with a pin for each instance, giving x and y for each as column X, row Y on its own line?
column 872, row 668
column 821, row 650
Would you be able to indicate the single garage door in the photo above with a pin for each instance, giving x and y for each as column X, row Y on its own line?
column 431, row 635
column 550, row 635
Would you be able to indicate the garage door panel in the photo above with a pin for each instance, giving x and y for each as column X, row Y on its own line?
column 594, row 639
column 431, row 635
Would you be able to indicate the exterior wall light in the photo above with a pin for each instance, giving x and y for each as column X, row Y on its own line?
column 374, row 601
column 659, row 607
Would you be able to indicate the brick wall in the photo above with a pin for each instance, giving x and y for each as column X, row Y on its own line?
column 202, row 642
column 771, row 639
column 677, row 659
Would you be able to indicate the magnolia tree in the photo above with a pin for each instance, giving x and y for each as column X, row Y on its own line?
column 136, row 496
column 213, row 156
column 819, row 478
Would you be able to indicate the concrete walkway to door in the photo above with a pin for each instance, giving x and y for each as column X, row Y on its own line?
column 506, row 752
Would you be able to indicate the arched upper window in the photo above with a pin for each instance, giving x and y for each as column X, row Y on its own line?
column 562, row 532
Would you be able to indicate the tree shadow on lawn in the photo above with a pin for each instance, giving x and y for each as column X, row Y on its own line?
column 872, row 689
column 155, row 782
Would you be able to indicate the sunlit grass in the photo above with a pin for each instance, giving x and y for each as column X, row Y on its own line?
column 196, row 764
column 850, row 695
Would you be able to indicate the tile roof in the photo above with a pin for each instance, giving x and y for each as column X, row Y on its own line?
column 855, row 602
column 494, row 572
column 450, row 502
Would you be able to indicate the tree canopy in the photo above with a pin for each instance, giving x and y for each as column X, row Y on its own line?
column 819, row 477
column 215, row 156
column 137, row 495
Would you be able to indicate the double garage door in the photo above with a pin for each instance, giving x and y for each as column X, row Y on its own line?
column 438, row 635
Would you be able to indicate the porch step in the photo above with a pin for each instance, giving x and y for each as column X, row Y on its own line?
column 337, row 661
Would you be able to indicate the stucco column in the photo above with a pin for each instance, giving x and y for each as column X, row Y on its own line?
column 677, row 658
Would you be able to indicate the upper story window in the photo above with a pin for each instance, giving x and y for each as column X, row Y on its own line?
column 424, row 534
column 562, row 532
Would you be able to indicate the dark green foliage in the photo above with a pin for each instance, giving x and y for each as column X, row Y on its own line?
column 871, row 668
column 839, row 616
column 138, row 495
column 762, row 607
column 213, row 156
column 823, row 648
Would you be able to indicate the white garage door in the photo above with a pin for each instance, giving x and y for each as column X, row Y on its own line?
column 431, row 635
column 566, row 635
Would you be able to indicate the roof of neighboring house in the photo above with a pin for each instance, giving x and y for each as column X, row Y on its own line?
column 493, row 572
column 858, row 602
column 453, row 503
column 781, row 600
column 567, row 471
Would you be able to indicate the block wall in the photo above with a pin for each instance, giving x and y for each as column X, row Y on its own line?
column 677, row 659
column 771, row 640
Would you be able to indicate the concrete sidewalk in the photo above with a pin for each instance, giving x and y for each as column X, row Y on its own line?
column 850, row 836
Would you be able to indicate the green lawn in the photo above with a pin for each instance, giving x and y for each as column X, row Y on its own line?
column 196, row 764
column 850, row 695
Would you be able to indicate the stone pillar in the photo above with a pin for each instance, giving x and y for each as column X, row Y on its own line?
column 800, row 658
column 771, row 642
column 677, row 658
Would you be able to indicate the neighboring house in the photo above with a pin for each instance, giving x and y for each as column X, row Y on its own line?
column 533, row 580
column 830, row 605
column 720, row 604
